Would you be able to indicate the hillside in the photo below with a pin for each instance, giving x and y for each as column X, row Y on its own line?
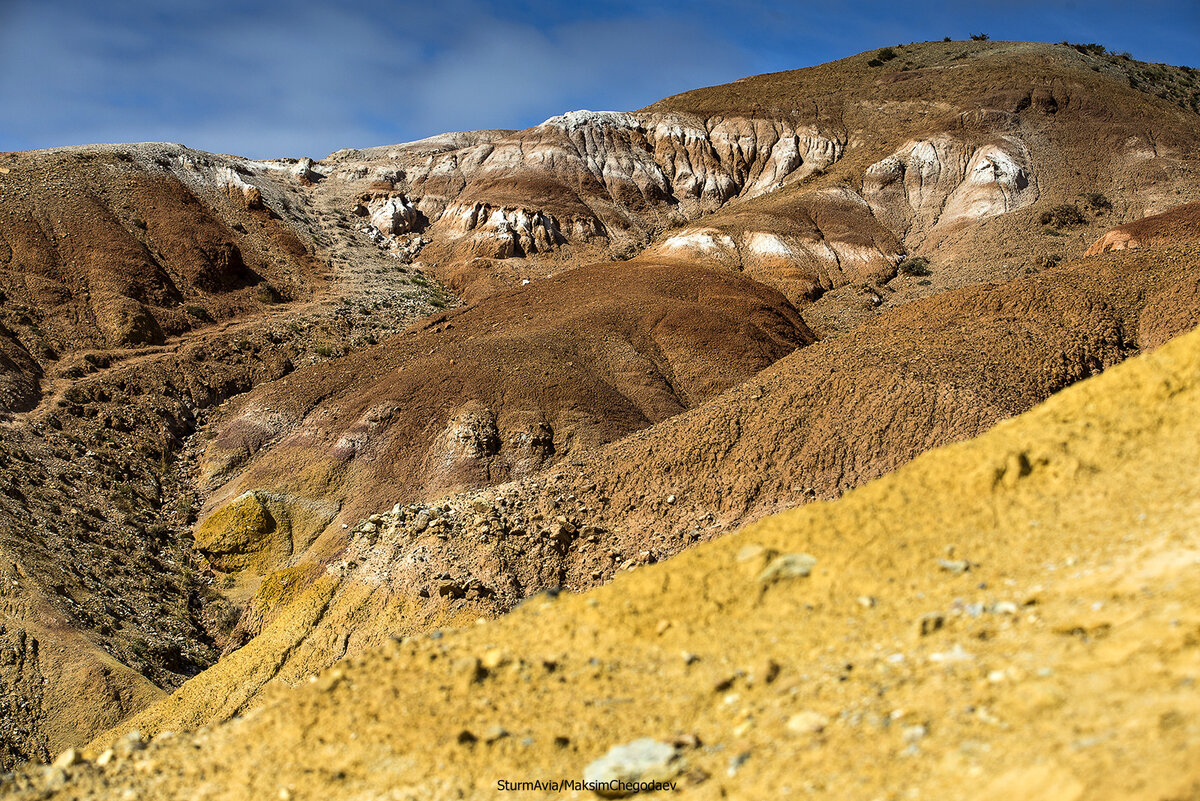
column 1020, row 617
column 262, row 416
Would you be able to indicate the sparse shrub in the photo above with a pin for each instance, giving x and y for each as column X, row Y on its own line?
column 325, row 351
column 886, row 54
column 914, row 265
column 229, row 618
column 979, row 37
column 1097, row 201
column 874, row 63
column 199, row 312
column 1062, row 216
column 265, row 293
column 946, row 39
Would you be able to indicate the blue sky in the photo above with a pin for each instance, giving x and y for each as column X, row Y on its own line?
column 301, row 77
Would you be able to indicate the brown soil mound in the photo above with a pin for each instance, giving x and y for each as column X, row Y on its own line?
column 126, row 245
column 1010, row 617
column 498, row 391
column 1178, row 225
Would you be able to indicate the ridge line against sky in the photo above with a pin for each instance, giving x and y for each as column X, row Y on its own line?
column 304, row 77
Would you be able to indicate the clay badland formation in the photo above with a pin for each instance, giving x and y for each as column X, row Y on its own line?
column 279, row 433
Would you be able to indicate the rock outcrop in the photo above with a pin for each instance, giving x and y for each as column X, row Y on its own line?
column 946, row 181
column 394, row 215
column 503, row 233
column 601, row 174
column 803, row 247
column 241, row 191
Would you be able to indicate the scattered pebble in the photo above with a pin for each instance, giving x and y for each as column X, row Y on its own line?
column 931, row 622
column 644, row 760
column 807, row 722
column 788, row 566
column 955, row 566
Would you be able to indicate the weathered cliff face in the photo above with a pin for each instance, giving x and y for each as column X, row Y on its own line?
column 587, row 174
column 945, row 181
column 823, row 240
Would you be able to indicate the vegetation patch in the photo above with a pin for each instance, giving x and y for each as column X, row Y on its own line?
column 1065, row 215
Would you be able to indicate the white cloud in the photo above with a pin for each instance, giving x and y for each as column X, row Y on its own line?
column 311, row 77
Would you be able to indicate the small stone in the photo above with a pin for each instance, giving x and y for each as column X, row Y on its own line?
column 688, row 740
column 54, row 779
column 748, row 553
column 956, row 654
column 931, row 622
column 108, row 756
column 67, row 759
column 494, row 733
column 640, row 761
column 131, row 743
column 495, row 658
column 808, row 722
column 866, row 601
column 955, row 566
column 670, row 499
column 662, row 627
column 913, row 734
column 788, row 566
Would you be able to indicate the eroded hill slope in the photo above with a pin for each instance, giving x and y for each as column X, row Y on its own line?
column 1005, row 617
column 823, row 420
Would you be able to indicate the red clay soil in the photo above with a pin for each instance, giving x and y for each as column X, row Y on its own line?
column 1175, row 226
